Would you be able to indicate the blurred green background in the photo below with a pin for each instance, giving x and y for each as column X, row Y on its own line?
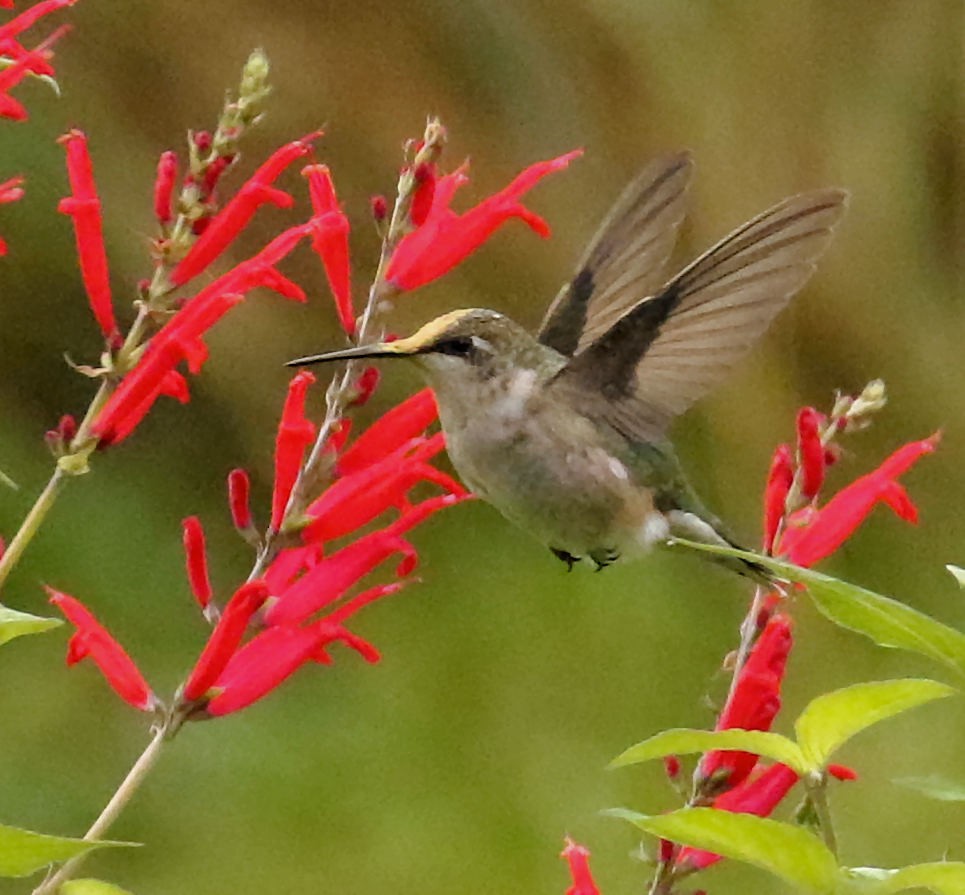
column 459, row 762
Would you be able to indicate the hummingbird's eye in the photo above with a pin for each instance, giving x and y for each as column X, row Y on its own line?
column 461, row 346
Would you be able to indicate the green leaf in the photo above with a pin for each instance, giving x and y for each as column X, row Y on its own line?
column 23, row 852
column 683, row 741
column 789, row 852
column 958, row 573
column 90, row 887
column 943, row 878
column 16, row 624
column 935, row 787
column 832, row 719
column 887, row 622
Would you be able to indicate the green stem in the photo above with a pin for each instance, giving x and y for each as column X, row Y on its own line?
column 119, row 800
column 817, row 790
column 31, row 524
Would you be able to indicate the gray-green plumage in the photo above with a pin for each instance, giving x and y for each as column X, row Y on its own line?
column 566, row 433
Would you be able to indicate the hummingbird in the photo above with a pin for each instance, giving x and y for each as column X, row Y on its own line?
column 566, row 432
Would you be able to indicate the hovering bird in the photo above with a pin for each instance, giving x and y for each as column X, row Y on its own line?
column 566, row 432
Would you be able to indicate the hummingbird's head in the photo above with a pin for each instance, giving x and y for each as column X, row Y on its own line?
column 457, row 350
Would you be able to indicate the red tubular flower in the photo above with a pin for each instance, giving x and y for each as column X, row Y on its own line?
column 834, row 523
column 92, row 639
column 365, row 386
column 760, row 796
column 295, row 434
column 167, row 172
column 578, row 857
column 445, row 238
column 180, row 339
column 234, row 217
column 330, row 241
column 330, row 578
column 239, row 489
column 779, row 480
column 84, row 206
column 225, row 639
column 357, row 499
column 753, row 703
column 393, row 429
column 810, row 451
column 196, row 560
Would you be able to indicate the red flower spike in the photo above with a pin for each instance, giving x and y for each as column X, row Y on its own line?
column 357, row 499
column 234, row 217
column 225, row 639
column 445, row 238
column 167, row 172
column 394, row 428
column 759, row 796
column 837, row 520
column 92, row 639
column 753, row 703
column 84, row 206
column 365, row 386
column 295, row 434
column 335, row 574
column 425, row 178
column 196, row 560
column 578, row 857
column 330, row 241
column 810, row 451
column 239, row 489
column 779, row 480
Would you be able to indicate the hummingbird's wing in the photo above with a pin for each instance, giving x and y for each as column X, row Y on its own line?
column 670, row 349
column 624, row 260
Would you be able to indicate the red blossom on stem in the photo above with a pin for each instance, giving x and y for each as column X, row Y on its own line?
column 836, row 521
column 810, row 451
column 10, row 191
column 753, row 702
column 578, row 858
column 84, row 206
column 225, row 639
column 167, row 172
column 444, row 239
column 196, row 560
column 779, row 480
column 295, row 434
column 330, row 241
column 92, row 639
column 30, row 17
column 234, row 217
column 365, row 386
column 239, row 490
column 425, row 178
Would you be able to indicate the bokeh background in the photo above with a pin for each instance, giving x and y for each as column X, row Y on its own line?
column 460, row 761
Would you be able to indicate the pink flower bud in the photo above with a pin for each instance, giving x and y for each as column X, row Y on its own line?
column 167, row 171
column 196, row 560
column 810, row 451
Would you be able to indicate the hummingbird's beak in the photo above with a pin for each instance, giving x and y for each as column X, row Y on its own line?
column 398, row 348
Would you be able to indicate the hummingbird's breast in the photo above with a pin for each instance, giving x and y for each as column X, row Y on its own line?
column 549, row 469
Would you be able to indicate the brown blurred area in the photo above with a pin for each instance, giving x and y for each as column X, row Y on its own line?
column 460, row 761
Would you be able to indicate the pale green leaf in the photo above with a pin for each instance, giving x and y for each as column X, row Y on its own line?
column 23, row 852
column 789, row 852
column 9, row 482
column 832, row 719
column 886, row 621
column 943, row 878
column 683, row 741
column 958, row 573
column 16, row 624
column 90, row 887
column 935, row 787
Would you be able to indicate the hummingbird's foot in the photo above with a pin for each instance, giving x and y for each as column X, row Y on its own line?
column 568, row 558
column 604, row 557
